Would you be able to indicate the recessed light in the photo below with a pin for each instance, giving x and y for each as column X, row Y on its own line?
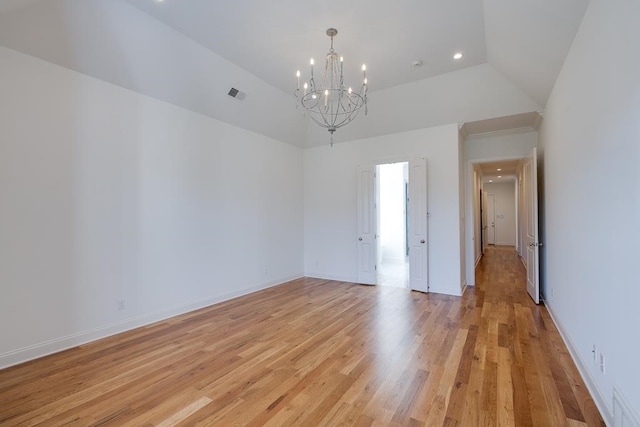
column 490, row 180
column 499, row 176
column 499, row 169
column 457, row 55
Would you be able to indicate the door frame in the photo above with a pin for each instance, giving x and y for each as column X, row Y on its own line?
column 469, row 210
column 401, row 159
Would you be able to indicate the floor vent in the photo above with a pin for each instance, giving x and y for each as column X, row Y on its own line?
column 623, row 415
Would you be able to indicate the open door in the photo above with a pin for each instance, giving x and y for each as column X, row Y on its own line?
column 491, row 218
column 366, row 225
column 532, row 248
column 418, row 247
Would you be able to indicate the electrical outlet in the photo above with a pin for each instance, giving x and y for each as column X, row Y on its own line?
column 602, row 363
column 122, row 304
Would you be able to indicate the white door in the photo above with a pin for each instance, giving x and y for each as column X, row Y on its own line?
column 366, row 225
column 491, row 219
column 483, row 214
column 531, row 227
column 418, row 248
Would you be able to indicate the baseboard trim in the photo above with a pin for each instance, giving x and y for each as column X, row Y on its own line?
column 463, row 288
column 623, row 413
column 443, row 290
column 598, row 397
column 57, row 345
column 336, row 277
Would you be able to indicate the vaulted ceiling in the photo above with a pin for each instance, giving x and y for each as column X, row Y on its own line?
column 191, row 52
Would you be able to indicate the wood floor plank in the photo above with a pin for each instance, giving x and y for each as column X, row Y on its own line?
column 325, row 353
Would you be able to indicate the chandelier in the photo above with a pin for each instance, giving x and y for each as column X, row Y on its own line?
column 331, row 104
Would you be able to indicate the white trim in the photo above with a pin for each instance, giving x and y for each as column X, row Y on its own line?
column 513, row 131
column 446, row 290
column 624, row 416
column 46, row 348
column 463, row 288
column 335, row 277
column 598, row 398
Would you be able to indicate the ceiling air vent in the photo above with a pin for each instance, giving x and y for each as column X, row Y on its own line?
column 235, row 93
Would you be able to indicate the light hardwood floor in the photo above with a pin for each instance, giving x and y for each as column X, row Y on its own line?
column 317, row 352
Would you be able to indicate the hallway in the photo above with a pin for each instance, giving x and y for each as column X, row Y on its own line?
column 536, row 377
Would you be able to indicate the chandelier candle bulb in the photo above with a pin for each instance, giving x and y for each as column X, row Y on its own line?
column 306, row 86
column 298, row 77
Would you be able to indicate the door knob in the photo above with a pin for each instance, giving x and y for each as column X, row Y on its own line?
column 360, row 238
column 422, row 241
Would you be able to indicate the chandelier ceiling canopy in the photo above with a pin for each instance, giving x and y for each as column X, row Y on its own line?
column 329, row 102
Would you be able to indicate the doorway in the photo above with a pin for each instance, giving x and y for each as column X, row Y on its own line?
column 516, row 214
column 413, row 224
column 392, row 244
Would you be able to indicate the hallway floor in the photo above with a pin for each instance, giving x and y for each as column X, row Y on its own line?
column 393, row 273
column 536, row 377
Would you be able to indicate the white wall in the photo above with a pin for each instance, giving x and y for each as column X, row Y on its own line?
column 508, row 145
column 505, row 210
column 591, row 141
column 466, row 95
column 330, row 202
column 109, row 194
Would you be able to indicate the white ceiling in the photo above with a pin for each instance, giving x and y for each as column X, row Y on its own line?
column 527, row 39
column 274, row 39
column 501, row 171
column 523, row 42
